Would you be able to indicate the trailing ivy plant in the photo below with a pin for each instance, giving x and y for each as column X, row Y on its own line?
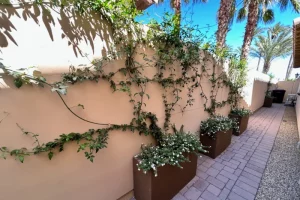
column 216, row 124
column 213, row 58
column 90, row 142
column 169, row 151
column 240, row 112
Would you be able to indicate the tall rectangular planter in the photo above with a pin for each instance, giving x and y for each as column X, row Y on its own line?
column 242, row 122
column 218, row 145
column 268, row 102
column 170, row 180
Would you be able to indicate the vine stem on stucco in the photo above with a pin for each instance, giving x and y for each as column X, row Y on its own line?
column 62, row 99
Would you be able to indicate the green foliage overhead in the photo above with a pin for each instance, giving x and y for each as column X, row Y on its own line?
column 277, row 42
column 266, row 9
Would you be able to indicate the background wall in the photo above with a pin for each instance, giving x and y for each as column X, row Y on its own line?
column 298, row 114
column 255, row 90
column 33, row 36
column 290, row 87
column 258, row 97
column 297, row 107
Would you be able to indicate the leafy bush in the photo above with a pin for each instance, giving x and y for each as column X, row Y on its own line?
column 169, row 151
column 217, row 123
column 240, row 112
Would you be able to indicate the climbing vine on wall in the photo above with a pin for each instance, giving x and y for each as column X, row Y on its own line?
column 237, row 80
column 181, row 63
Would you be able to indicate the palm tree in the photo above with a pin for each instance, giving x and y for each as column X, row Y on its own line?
column 256, row 10
column 273, row 45
column 289, row 68
column 256, row 53
column 225, row 17
column 176, row 5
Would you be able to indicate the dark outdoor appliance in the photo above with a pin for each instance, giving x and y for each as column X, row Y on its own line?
column 278, row 96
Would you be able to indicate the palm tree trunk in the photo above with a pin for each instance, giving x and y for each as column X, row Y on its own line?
column 250, row 27
column 267, row 66
column 177, row 7
column 223, row 21
column 259, row 59
column 289, row 68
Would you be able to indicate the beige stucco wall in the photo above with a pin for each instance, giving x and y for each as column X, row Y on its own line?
column 290, row 87
column 254, row 94
column 297, row 107
column 255, row 90
column 258, row 95
column 32, row 36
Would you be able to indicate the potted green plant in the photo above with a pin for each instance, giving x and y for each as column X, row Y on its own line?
column 241, row 115
column 268, row 98
column 216, row 132
column 161, row 171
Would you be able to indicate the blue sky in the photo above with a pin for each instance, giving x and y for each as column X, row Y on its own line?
column 206, row 14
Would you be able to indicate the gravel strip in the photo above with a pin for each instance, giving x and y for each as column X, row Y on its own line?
column 282, row 174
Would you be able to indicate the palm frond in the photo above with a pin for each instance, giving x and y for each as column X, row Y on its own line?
column 295, row 5
column 268, row 16
column 232, row 12
column 242, row 14
column 269, row 47
column 258, row 31
column 172, row 3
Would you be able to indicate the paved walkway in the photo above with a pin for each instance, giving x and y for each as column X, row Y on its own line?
column 281, row 176
column 236, row 174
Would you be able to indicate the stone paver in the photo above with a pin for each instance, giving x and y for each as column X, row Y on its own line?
column 237, row 172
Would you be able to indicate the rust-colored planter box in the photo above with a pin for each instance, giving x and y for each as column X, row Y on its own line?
column 268, row 102
column 218, row 145
column 242, row 122
column 167, row 184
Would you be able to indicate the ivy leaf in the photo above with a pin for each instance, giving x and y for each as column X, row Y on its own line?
column 62, row 91
column 37, row 73
column 21, row 158
column 42, row 78
column 50, row 155
column 18, row 82
column 80, row 105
